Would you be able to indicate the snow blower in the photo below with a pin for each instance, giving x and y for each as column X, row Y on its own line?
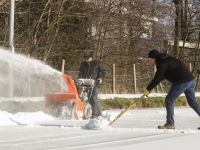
column 71, row 105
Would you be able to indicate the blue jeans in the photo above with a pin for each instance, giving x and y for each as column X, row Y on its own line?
column 96, row 110
column 176, row 90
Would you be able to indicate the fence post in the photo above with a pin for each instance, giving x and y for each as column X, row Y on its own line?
column 113, row 78
column 29, row 82
column 134, row 75
column 162, row 90
column 62, row 70
column 190, row 66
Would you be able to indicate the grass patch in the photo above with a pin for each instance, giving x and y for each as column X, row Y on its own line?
column 151, row 102
column 116, row 103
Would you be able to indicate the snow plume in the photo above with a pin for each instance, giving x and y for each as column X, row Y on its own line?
column 31, row 77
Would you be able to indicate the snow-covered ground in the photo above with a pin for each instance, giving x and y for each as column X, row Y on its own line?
column 111, row 96
column 136, row 129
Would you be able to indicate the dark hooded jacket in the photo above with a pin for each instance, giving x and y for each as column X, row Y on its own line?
column 171, row 69
column 94, row 70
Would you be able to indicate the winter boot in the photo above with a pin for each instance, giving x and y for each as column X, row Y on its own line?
column 198, row 128
column 166, row 126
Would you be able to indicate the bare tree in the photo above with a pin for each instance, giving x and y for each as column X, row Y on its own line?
column 177, row 27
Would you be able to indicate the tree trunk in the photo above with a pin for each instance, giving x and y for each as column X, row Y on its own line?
column 196, row 55
column 177, row 27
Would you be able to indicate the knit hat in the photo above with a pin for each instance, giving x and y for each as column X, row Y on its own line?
column 153, row 53
column 87, row 54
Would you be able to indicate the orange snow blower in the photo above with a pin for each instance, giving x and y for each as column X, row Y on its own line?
column 73, row 104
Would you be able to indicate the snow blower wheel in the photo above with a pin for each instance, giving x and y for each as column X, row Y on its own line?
column 87, row 111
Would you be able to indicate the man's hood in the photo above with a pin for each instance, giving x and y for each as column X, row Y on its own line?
column 161, row 56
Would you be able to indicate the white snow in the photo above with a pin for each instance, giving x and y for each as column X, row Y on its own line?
column 24, row 118
column 136, row 129
column 111, row 96
column 101, row 122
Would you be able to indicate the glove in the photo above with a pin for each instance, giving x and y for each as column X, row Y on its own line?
column 99, row 80
column 146, row 93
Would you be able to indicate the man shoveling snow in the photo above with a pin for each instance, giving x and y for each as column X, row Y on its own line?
column 183, row 81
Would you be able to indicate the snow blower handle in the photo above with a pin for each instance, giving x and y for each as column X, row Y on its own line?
column 99, row 80
column 126, row 109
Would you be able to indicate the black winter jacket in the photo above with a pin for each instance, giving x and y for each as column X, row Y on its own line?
column 171, row 69
column 94, row 70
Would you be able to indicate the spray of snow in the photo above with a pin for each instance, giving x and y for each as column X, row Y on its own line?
column 79, row 115
column 31, row 77
column 67, row 111
column 24, row 64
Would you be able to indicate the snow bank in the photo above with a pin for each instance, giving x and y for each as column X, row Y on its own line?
column 5, row 118
column 112, row 96
column 27, row 117
column 23, row 118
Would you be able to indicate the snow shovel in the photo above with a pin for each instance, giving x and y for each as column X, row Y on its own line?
column 126, row 110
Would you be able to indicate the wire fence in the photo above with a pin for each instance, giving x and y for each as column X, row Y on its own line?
column 125, row 84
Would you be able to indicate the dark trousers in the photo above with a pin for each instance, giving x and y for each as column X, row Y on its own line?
column 176, row 90
column 96, row 110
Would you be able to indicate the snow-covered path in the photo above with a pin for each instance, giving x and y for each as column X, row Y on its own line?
column 66, row 138
column 136, row 129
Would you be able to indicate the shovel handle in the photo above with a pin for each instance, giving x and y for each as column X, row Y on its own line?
column 126, row 110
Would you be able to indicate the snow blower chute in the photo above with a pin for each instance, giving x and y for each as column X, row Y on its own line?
column 73, row 104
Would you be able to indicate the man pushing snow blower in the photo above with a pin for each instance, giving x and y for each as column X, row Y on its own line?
column 92, row 69
column 178, row 73
column 85, row 88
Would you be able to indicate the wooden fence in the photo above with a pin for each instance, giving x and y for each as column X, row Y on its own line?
column 135, row 83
